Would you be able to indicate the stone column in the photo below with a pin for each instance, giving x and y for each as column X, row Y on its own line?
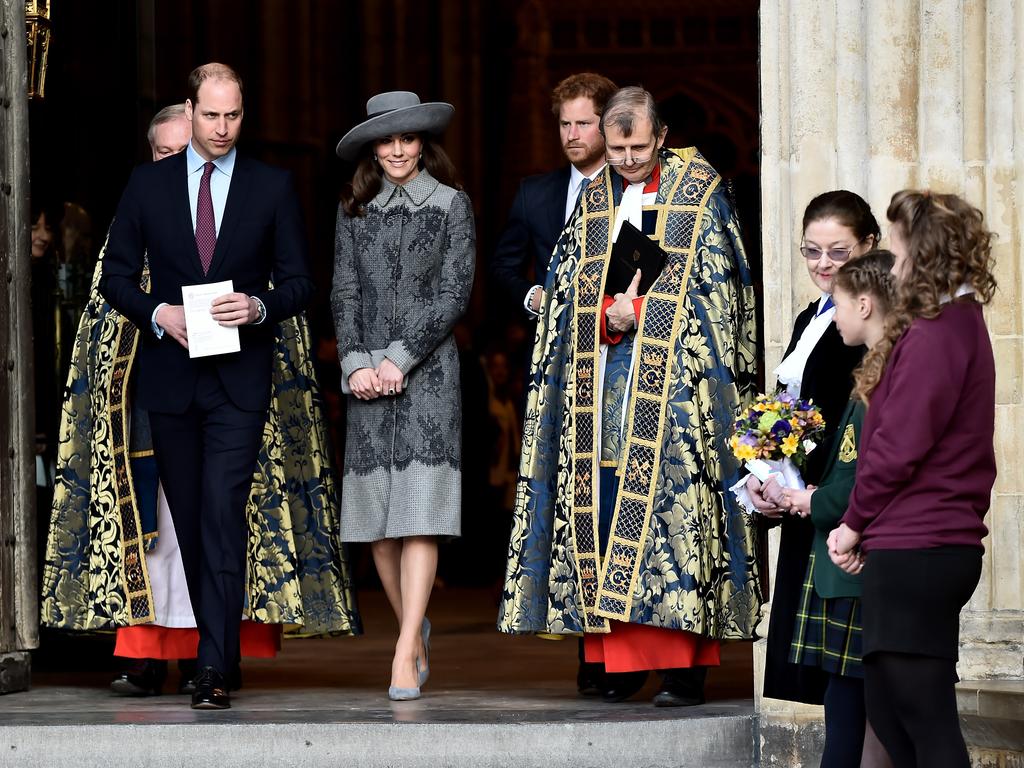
column 874, row 96
column 19, row 596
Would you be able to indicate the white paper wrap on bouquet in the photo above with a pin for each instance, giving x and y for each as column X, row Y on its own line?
column 785, row 472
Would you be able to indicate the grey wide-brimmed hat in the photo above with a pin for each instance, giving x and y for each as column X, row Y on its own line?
column 394, row 112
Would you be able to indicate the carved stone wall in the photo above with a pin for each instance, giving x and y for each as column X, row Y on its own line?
column 875, row 96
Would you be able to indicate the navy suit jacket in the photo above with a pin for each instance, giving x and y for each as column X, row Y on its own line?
column 261, row 238
column 534, row 224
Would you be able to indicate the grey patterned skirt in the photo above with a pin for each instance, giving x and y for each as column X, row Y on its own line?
column 402, row 474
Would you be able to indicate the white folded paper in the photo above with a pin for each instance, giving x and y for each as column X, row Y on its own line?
column 205, row 335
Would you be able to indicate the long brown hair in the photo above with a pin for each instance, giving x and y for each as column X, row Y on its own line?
column 947, row 246
column 871, row 275
column 366, row 181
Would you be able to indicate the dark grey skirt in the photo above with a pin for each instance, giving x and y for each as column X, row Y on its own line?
column 912, row 599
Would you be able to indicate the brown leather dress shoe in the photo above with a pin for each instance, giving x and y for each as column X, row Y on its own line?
column 211, row 691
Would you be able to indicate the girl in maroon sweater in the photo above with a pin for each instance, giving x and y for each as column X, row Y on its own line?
column 924, row 476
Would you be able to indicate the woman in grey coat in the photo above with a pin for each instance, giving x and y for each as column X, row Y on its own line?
column 403, row 269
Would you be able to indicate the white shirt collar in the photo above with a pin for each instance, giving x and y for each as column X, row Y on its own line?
column 576, row 176
column 195, row 161
column 963, row 290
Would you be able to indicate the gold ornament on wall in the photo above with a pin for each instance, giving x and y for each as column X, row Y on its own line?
column 37, row 27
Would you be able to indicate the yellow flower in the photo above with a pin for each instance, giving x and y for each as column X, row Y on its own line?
column 790, row 443
column 744, row 452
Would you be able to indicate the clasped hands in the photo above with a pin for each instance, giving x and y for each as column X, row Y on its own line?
column 772, row 500
column 621, row 315
column 231, row 309
column 371, row 383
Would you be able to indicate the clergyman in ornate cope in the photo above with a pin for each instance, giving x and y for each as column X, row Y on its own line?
column 623, row 527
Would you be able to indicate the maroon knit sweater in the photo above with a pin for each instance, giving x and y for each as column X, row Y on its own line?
column 927, row 464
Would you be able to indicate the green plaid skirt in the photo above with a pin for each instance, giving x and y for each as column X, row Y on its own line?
column 828, row 631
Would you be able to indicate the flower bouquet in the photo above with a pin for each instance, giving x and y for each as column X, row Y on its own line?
column 773, row 437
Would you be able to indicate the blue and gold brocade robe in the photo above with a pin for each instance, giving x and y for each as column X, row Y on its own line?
column 681, row 553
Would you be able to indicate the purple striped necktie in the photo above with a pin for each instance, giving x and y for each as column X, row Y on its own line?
column 206, row 229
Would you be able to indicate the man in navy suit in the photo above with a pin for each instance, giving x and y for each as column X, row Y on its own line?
column 206, row 215
column 541, row 208
column 544, row 202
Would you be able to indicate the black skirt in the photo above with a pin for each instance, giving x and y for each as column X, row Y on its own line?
column 912, row 599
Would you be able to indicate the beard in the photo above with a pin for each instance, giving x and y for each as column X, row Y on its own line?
column 583, row 154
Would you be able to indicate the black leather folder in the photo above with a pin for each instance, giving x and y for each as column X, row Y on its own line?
column 632, row 251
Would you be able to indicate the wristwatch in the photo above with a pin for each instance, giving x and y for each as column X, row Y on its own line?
column 261, row 311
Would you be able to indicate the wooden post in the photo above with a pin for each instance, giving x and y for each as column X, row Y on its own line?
column 19, row 597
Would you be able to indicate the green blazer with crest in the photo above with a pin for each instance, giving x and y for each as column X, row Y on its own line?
column 829, row 502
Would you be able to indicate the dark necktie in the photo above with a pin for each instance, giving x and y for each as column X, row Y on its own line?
column 582, row 188
column 825, row 307
column 206, row 230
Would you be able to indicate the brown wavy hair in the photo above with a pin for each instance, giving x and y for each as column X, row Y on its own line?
column 366, row 181
column 947, row 246
column 597, row 88
column 870, row 274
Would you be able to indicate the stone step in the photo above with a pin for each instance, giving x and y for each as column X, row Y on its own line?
column 998, row 699
column 709, row 742
column 322, row 727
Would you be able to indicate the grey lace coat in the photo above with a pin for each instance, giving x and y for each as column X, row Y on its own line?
column 402, row 278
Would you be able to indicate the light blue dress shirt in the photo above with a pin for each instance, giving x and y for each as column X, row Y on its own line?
column 220, row 180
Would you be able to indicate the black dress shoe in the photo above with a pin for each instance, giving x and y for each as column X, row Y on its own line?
column 211, row 692
column 619, row 686
column 590, row 679
column 187, row 671
column 143, row 678
column 681, row 687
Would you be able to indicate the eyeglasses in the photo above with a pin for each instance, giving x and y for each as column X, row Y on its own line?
column 837, row 255
column 633, row 159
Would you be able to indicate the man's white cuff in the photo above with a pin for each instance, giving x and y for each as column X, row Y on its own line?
column 152, row 320
column 528, row 301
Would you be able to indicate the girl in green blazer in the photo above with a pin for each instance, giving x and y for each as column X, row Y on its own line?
column 827, row 633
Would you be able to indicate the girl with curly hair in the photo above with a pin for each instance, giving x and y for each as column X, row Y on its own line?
column 914, row 525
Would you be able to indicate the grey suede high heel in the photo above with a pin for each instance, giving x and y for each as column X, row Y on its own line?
column 424, row 671
column 403, row 694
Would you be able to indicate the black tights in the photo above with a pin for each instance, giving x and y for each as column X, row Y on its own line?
column 844, row 722
column 911, row 702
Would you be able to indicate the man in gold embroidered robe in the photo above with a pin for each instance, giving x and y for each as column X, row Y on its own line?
column 623, row 526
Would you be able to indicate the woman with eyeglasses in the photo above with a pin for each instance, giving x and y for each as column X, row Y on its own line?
column 837, row 226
